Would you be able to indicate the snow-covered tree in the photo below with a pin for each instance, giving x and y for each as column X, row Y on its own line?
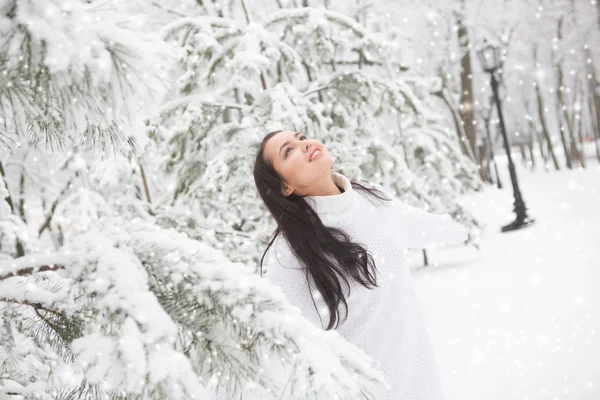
column 96, row 299
column 75, row 73
column 535, row 56
column 311, row 69
column 101, row 295
column 132, row 310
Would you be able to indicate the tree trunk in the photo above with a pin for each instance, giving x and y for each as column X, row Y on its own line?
column 563, row 125
column 594, row 98
column 598, row 11
column 543, row 149
column 533, row 130
column 467, row 111
column 484, row 162
column 531, row 155
column 578, row 121
column 523, row 153
column 460, row 132
column 593, row 111
column 580, row 139
column 542, row 116
column 575, row 150
column 540, row 140
column 563, row 118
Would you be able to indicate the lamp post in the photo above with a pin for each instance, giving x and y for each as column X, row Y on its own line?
column 489, row 56
column 491, row 150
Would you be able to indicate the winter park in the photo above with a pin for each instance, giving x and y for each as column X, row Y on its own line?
column 299, row 199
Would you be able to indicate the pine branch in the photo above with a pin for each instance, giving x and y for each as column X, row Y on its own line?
column 31, row 271
column 364, row 61
column 8, row 199
column 167, row 10
column 291, row 14
column 48, row 220
column 24, row 271
column 29, row 175
column 53, row 327
column 22, row 197
column 37, row 306
column 144, row 182
column 234, row 316
column 45, row 105
column 184, row 101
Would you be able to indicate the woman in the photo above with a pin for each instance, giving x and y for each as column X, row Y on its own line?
column 340, row 258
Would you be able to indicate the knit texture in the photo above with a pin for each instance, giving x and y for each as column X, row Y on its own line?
column 385, row 322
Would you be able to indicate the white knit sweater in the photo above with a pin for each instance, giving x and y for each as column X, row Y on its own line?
column 384, row 322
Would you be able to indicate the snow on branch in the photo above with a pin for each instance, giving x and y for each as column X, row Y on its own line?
column 31, row 264
column 202, row 100
column 410, row 179
column 130, row 346
column 399, row 92
column 239, row 315
column 201, row 23
column 288, row 14
column 71, row 67
column 165, row 313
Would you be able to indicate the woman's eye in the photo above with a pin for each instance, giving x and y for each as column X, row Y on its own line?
column 290, row 148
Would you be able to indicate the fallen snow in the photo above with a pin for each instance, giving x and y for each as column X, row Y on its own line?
column 520, row 319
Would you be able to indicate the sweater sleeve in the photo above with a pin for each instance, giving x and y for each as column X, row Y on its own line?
column 285, row 271
column 419, row 229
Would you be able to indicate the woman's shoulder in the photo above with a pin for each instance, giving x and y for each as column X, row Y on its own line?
column 378, row 186
column 282, row 254
column 375, row 195
column 284, row 270
column 281, row 245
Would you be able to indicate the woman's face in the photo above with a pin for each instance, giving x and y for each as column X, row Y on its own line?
column 290, row 152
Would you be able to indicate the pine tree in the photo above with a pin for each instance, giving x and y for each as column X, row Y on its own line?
column 136, row 311
column 98, row 299
column 72, row 74
column 309, row 69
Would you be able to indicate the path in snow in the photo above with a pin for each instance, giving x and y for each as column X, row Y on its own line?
column 520, row 319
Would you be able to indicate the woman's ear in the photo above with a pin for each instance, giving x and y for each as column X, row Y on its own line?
column 286, row 190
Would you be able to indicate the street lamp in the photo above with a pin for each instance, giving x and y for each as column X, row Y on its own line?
column 489, row 56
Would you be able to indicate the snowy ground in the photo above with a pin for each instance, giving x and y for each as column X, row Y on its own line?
column 520, row 319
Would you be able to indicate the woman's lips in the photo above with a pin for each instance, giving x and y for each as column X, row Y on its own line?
column 317, row 155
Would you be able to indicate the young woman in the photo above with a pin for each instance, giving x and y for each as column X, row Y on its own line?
column 340, row 258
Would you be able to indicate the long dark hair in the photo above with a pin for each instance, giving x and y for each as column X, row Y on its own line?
column 299, row 224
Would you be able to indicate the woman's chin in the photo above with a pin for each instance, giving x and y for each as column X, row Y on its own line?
column 324, row 162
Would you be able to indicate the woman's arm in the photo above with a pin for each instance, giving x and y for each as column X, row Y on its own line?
column 419, row 229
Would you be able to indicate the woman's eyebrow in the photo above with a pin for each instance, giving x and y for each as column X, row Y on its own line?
column 287, row 142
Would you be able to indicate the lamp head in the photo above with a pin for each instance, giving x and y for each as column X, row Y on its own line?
column 489, row 56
